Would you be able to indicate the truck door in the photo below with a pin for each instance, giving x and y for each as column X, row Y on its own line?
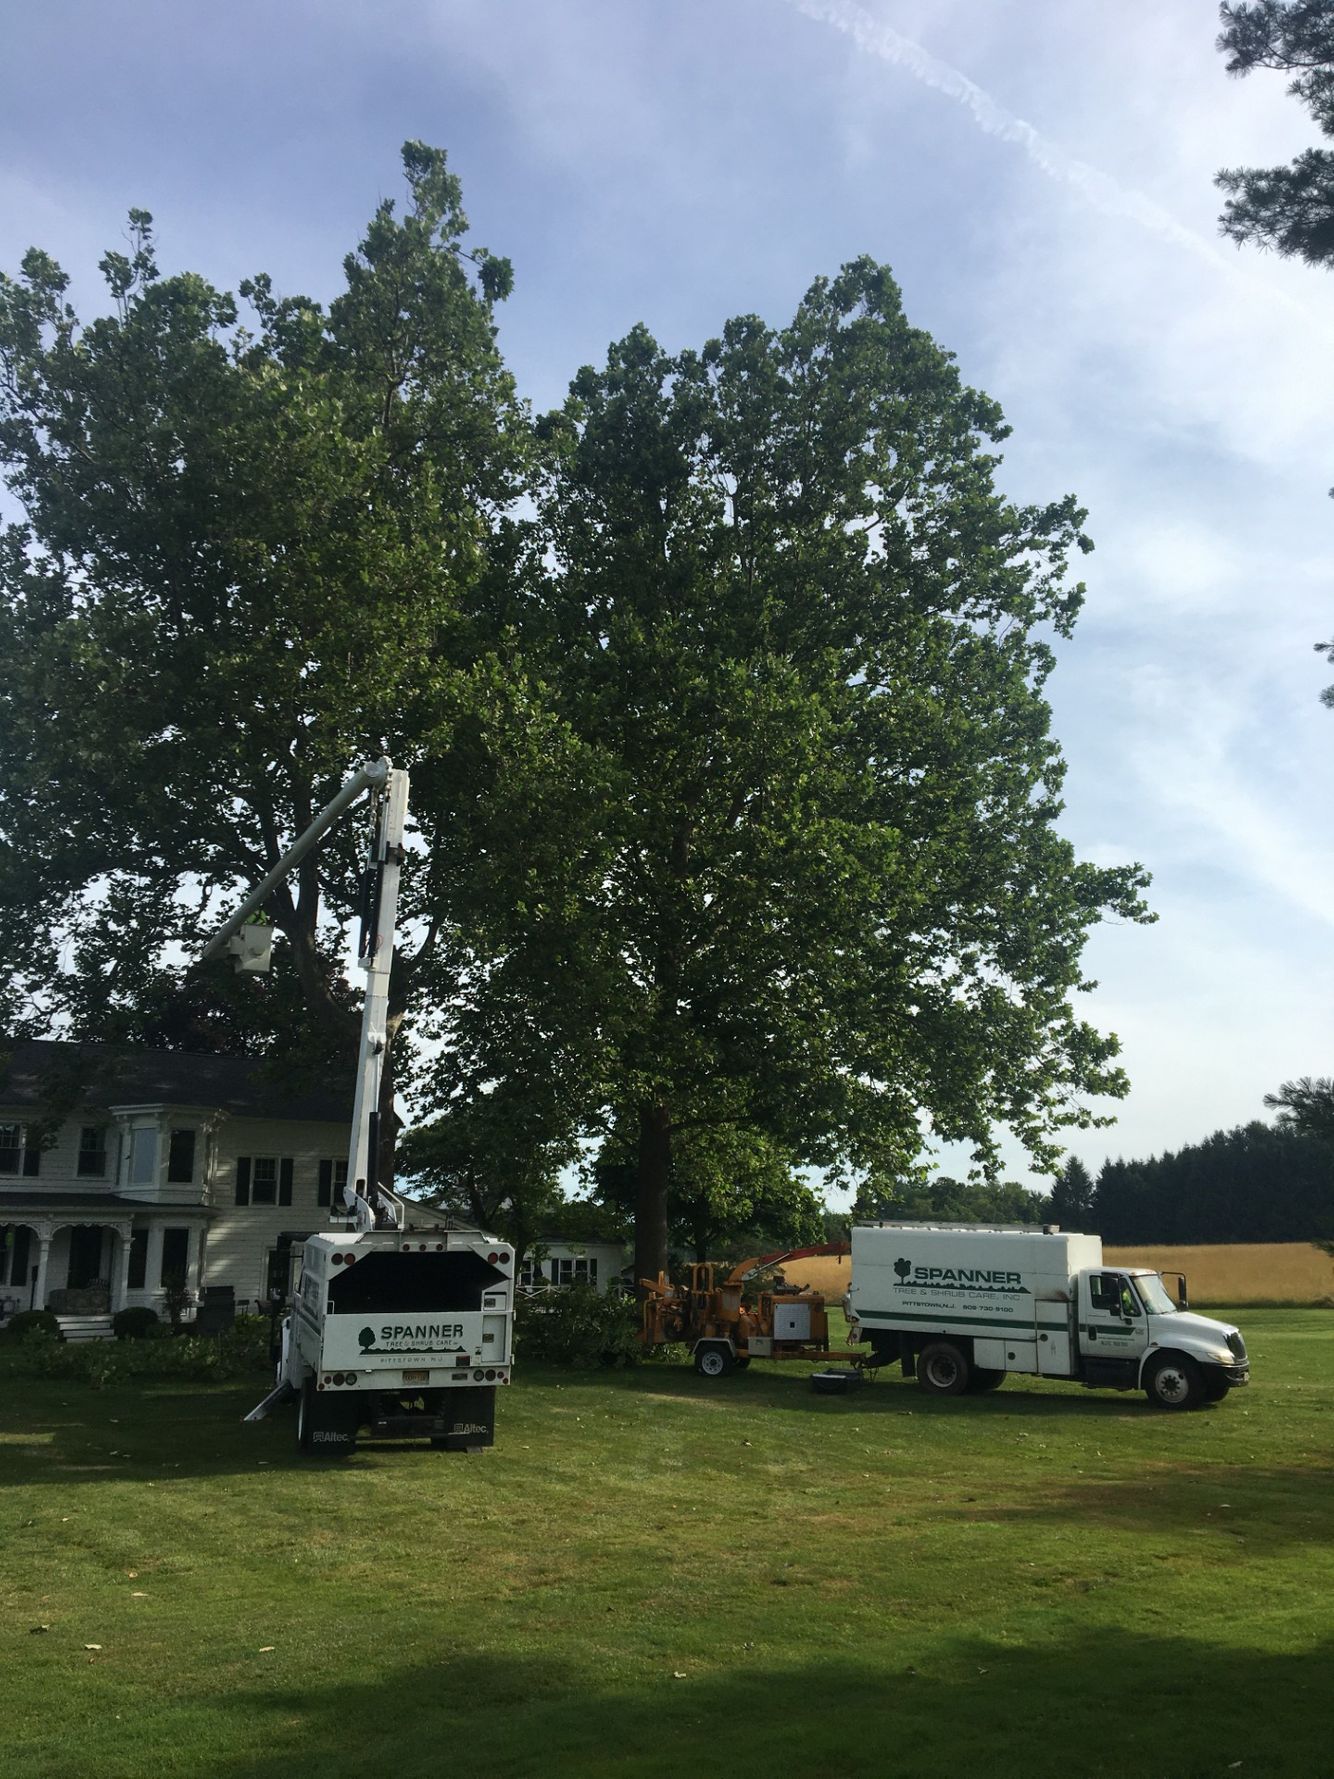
column 1113, row 1329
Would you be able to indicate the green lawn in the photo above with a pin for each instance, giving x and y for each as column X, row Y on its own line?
column 656, row 1575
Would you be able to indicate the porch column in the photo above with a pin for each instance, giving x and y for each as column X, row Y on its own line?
column 45, row 1234
column 120, row 1278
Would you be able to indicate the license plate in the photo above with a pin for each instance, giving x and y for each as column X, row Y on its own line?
column 415, row 1377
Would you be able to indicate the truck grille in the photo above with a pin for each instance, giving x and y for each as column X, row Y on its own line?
column 1237, row 1347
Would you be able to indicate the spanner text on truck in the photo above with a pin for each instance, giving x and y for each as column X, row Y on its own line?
column 961, row 1306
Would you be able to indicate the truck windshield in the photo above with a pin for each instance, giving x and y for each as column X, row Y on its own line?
column 1153, row 1294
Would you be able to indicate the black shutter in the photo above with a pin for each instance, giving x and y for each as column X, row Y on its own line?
column 285, row 1180
column 32, row 1160
column 243, row 1179
column 325, row 1194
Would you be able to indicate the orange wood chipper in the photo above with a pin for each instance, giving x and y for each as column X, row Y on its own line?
column 725, row 1325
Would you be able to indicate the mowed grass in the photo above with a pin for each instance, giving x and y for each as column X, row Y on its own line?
column 656, row 1575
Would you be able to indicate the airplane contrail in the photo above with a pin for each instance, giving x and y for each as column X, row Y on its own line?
column 876, row 38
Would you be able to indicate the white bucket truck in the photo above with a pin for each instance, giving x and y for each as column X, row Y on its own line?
column 407, row 1333
column 404, row 1330
column 961, row 1306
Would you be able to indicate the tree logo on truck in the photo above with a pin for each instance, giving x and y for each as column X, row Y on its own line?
column 903, row 1268
column 366, row 1339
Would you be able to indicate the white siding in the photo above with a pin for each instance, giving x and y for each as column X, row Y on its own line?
column 241, row 1237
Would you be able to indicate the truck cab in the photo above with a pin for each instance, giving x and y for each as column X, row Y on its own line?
column 1129, row 1333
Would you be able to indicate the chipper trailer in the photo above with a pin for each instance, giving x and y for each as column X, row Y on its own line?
column 404, row 1330
column 962, row 1306
column 726, row 1325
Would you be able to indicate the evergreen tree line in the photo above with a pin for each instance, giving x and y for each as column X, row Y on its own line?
column 1256, row 1183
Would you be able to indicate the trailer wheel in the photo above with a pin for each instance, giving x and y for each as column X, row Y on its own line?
column 942, row 1369
column 1174, row 1382
column 983, row 1379
column 305, row 1414
column 714, row 1361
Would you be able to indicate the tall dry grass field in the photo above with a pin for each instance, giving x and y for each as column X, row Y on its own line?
column 1242, row 1272
column 1239, row 1273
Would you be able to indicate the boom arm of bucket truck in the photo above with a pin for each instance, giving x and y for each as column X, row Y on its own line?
column 372, row 1206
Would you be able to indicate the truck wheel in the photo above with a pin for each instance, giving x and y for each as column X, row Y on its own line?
column 1216, row 1386
column 983, row 1380
column 305, row 1415
column 715, row 1361
column 1175, row 1381
column 942, row 1369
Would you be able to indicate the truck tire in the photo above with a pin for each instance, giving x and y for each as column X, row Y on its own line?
column 1216, row 1386
column 1174, row 1381
column 714, row 1360
column 942, row 1369
column 305, row 1414
column 983, row 1380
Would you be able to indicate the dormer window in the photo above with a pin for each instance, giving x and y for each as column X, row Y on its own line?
column 181, row 1158
column 143, row 1155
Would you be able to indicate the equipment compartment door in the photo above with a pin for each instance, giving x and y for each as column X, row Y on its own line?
column 1055, row 1356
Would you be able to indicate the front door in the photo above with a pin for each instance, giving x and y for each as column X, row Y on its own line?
column 1112, row 1323
column 85, row 1256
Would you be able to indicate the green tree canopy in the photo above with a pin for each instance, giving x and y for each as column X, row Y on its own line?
column 947, row 1200
column 246, row 561
column 493, row 1162
column 798, row 872
column 732, row 1194
column 1289, row 209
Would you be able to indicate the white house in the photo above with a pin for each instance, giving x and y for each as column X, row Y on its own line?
column 562, row 1262
column 123, row 1169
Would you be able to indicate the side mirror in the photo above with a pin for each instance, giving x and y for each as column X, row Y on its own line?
column 1183, row 1300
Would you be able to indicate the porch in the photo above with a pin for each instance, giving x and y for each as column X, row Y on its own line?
column 90, row 1255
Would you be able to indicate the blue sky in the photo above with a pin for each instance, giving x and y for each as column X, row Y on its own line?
column 1038, row 175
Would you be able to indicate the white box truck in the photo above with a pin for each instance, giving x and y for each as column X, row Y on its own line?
column 961, row 1306
column 407, row 1333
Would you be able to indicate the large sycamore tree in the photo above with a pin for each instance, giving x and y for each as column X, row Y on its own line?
column 796, row 870
column 249, row 537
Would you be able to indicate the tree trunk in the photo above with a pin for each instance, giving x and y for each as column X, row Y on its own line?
column 654, row 1172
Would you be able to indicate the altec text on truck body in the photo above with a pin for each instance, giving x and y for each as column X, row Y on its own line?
column 961, row 1306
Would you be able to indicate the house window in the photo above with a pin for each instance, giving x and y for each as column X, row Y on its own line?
column 143, row 1155
column 138, row 1273
column 264, row 1179
column 175, row 1254
column 333, row 1180
column 570, row 1272
column 531, row 1274
column 92, row 1152
column 181, row 1158
column 16, row 1157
